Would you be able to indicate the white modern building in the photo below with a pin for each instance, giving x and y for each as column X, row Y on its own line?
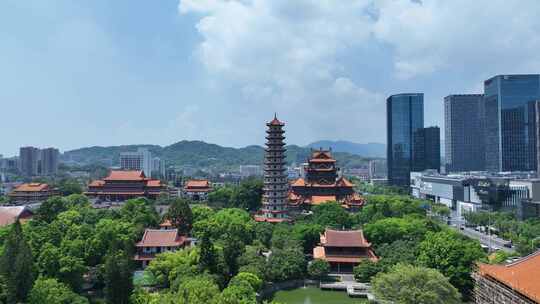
column 250, row 170
column 140, row 160
column 469, row 193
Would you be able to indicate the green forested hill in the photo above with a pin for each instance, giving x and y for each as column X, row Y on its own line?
column 201, row 154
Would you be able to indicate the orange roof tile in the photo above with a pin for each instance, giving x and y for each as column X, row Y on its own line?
column 32, row 187
column 130, row 175
column 319, row 199
column 10, row 214
column 521, row 276
column 319, row 252
column 197, row 183
column 321, row 155
column 96, row 183
column 153, row 183
column 276, row 122
column 337, row 238
column 322, row 160
column 343, row 182
column 166, row 223
column 299, row 183
column 161, row 238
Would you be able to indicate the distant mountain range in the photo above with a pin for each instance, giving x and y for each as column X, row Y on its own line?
column 201, row 154
column 365, row 150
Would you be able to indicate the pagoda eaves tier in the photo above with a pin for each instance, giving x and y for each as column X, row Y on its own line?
column 275, row 191
column 322, row 184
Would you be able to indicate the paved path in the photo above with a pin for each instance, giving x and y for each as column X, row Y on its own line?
column 487, row 240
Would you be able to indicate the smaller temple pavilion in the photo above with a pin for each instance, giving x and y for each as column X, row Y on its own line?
column 322, row 184
column 344, row 249
column 155, row 241
column 32, row 193
column 197, row 189
column 517, row 282
column 124, row 185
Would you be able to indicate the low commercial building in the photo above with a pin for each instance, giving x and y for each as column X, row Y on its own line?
column 155, row 241
column 29, row 193
column 344, row 250
column 197, row 189
column 515, row 283
column 472, row 192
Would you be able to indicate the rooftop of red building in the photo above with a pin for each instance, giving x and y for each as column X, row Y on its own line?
column 338, row 238
column 197, row 184
column 321, row 156
column 10, row 214
column 161, row 238
column 127, row 175
column 32, row 187
column 521, row 276
column 340, row 182
column 276, row 121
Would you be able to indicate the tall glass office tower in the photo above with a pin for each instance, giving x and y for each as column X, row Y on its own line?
column 405, row 118
column 510, row 126
column 464, row 132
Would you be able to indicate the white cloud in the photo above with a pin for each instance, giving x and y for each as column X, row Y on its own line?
column 308, row 57
column 286, row 53
column 435, row 35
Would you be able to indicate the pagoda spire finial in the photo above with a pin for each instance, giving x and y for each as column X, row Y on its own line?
column 275, row 115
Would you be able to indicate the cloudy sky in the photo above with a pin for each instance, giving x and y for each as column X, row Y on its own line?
column 82, row 73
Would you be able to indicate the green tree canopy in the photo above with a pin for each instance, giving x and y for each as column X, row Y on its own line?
column 318, row 269
column 180, row 215
column 366, row 270
column 17, row 265
column 406, row 284
column 248, row 194
column 286, row 264
column 239, row 293
column 169, row 266
column 381, row 206
column 254, row 281
column 197, row 290
column 453, row 255
column 118, row 276
column 388, row 230
column 331, row 214
column 50, row 291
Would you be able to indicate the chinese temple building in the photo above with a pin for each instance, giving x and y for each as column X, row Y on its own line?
column 517, row 282
column 275, row 197
column 31, row 193
column 322, row 184
column 155, row 241
column 124, row 185
column 344, row 250
column 197, row 189
column 11, row 214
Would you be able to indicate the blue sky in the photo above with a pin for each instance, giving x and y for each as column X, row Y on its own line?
column 84, row 73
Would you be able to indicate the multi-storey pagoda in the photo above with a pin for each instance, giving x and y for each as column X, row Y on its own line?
column 322, row 183
column 276, row 186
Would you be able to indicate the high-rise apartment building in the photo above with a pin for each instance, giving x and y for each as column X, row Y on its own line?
column 405, row 117
column 29, row 161
column 158, row 167
column 464, row 132
column 48, row 161
column 140, row 160
column 509, row 116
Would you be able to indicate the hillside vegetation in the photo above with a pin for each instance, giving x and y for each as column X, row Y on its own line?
column 201, row 154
